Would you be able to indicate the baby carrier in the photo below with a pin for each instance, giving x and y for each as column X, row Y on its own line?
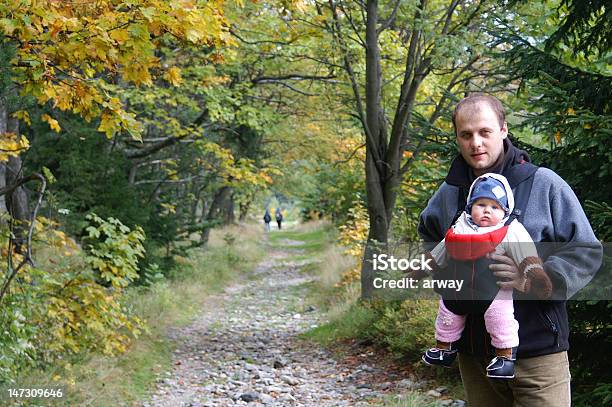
column 467, row 259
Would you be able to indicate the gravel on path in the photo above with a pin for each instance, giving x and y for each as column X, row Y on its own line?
column 243, row 349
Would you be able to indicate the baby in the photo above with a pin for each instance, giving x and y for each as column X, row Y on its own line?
column 485, row 226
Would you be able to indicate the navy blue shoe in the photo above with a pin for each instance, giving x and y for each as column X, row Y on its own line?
column 440, row 357
column 501, row 368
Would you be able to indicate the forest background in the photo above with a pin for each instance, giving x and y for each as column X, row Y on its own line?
column 131, row 129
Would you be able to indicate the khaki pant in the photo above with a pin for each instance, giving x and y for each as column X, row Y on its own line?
column 541, row 381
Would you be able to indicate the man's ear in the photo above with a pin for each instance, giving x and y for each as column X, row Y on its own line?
column 504, row 130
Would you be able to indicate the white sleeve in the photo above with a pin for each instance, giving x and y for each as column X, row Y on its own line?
column 518, row 243
column 439, row 254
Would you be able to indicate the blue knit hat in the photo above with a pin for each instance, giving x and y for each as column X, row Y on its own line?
column 489, row 188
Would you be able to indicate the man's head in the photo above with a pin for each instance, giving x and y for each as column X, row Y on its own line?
column 480, row 127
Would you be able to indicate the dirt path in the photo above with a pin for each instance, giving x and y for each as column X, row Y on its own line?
column 244, row 349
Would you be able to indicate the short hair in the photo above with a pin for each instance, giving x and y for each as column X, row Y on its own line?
column 474, row 99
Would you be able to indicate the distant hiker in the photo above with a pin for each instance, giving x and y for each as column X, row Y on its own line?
column 267, row 218
column 279, row 217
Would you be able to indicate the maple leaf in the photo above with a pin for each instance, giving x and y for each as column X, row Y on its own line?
column 52, row 122
column 173, row 76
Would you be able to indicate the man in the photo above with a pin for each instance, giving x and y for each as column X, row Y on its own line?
column 279, row 217
column 552, row 214
column 267, row 218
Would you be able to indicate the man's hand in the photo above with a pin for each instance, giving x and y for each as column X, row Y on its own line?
column 507, row 272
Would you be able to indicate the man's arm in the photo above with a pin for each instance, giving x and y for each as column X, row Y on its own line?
column 577, row 254
column 572, row 253
column 433, row 221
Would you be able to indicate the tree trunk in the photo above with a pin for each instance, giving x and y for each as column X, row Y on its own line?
column 133, row 172
column 244, row 209
column 229, row 216
column 3, row 129
column 213, row 212
column 385, row 144
column 17, row 201
column 193, row 217
column 375, row 150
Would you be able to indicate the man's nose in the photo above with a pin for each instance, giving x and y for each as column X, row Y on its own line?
column 476, row 142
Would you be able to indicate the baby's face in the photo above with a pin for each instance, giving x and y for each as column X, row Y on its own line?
column 487, row 212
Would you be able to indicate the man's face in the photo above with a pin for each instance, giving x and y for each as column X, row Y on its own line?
column 487, row 212
column 479, row 136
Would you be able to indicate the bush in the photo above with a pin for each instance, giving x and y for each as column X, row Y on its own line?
column 590, row 335
column 114, row 250
column 407, row 328
column 60, row 307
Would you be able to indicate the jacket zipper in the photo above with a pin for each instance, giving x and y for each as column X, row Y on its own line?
column 553, row 328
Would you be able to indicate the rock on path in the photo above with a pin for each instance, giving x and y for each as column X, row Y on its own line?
column 243, row 349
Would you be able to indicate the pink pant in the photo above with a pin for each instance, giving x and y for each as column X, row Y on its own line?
column 499, row 320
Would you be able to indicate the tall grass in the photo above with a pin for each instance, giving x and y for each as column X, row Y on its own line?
column 346, row 319
column 335, row 299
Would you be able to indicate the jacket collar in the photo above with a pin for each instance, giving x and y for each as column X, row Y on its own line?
column 460, row 173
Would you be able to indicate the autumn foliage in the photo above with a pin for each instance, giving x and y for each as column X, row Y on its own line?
column 67, row 52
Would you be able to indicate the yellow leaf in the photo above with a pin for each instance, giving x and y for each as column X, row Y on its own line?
column 300, row 5
column 120, row 35
column 89, row 72
column 108, row 125
column 173, row 76
column 558, row 137
column 148, row 13
column 23, row 116
column 75, row 50
column 52, row 122
column 170, row 208
column 267, row 178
